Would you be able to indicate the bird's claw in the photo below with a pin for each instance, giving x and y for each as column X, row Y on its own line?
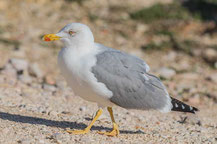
column 114, row 132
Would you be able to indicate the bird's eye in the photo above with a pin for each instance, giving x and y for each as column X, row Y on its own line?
column 71, row 32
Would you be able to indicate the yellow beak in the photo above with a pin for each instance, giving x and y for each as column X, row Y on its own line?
column 50, row 37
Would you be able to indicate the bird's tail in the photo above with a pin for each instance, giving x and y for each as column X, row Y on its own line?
column 182, row 107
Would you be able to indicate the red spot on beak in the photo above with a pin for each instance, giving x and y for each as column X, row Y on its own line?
column 47, row 39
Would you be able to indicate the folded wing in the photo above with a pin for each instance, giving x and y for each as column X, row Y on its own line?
column 126, row 76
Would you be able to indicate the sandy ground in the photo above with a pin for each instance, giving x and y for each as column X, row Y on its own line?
column 37, row 106
column 35, row 115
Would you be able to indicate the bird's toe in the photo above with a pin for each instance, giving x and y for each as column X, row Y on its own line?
column 114, row 132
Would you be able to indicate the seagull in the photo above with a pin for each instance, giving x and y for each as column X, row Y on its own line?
column 109, row 77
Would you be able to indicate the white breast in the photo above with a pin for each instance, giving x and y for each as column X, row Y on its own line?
column 76, row 69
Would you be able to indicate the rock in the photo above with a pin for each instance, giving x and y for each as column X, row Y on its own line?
column 141, row 28
column 35, row 70
column 24, row 141
column 185, row 87
column 210, row 55
column 58, row 137
column 166, row 73
column 41, row 109
column 215, row 65
column 22, row 106
column 50, row 80
column 25, row 78
column 190, row 76
column 213, row 77
column 83, row 108
column 120, row 40
column 19, row 64
column 184, row 66
column 65, row 112
column 45, row 130
column 124, row 15
column 196, row 52
column 171, row 56
column 49, row 87
column 53, row 113
column 195, row 99
column 85, row 139
column 36, row 85
column 9, row 70
column 61, row 84
column 159, row 39
column 41, row 141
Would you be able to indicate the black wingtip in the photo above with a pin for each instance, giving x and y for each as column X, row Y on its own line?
column 182, row 107
column 194, row 109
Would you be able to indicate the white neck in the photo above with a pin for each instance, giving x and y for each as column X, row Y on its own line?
column 81, row 49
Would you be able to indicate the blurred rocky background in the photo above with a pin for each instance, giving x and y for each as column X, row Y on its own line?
column 177, row 38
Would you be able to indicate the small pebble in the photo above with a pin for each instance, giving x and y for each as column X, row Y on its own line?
column 210, row 55
column 35, row 70
column 9, row 70
column 61, row 84
column 166, row 73
column 215, row 65
column 56, row 136
column 213, row 77
column 53, row 113
column 49, row 87
column 50, row 80
column 25, row 79
column 19, row 64
column 83, row 108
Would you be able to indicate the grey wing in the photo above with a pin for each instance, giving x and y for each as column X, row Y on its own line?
column 126, row 59
column 132, row 87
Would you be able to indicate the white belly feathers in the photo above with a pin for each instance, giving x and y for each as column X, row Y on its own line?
column 76, row 69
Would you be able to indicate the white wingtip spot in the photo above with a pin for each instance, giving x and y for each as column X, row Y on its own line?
column 176, row 105
column 183, row 107
column 191, row 108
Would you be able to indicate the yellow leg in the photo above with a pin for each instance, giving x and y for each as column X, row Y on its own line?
column 115, row 131
column 87, row 129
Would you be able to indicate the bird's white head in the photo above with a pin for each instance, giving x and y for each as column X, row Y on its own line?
column 73, row 35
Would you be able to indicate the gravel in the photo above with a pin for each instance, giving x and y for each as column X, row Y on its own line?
column 35, row 115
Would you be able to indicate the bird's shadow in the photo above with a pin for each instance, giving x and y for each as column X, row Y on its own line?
column 59, row 124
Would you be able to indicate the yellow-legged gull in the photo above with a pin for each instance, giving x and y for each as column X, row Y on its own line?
column 109, row 77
